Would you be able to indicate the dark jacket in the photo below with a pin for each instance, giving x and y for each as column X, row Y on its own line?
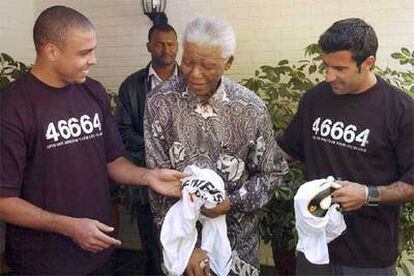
column 131, row 105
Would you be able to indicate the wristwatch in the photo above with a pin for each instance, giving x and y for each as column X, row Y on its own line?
column 373, row 196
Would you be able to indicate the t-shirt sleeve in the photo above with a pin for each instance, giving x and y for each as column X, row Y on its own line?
column 405, row 143
column 13, row 146
column 113, row 143
column 291, row 141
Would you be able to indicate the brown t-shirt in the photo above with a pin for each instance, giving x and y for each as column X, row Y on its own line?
column 365, row 138
column 55, row 144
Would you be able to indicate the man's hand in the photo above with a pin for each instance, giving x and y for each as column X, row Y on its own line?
column 350, row 197
column 198, row 265
column 164, row 181
column 221, row 209
column 90, row 234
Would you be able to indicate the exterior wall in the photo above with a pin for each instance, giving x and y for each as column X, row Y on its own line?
column 121, row 29
column 16, row 23
column 267, row 30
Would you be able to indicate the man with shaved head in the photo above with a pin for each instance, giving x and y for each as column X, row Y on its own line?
column 59, row 145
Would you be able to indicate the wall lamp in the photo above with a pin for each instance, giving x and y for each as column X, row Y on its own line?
column 154, row 9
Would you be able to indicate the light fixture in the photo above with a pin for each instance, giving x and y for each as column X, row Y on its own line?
column 154, row 9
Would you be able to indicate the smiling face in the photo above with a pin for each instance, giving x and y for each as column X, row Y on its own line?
column 73, row 59
column 203, row 67
column 343, row 74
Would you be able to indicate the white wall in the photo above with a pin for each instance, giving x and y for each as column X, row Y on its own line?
column 16, row 21
column 121, row 35
column 267, row 30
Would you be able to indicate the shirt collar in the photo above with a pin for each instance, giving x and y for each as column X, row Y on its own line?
column 208, row 108
column 152, row 72
column 219, row 95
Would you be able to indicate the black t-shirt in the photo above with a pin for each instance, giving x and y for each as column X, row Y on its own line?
column 366, row 138
column 55, row 145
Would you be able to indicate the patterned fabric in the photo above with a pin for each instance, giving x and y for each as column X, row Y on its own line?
column 232, row 134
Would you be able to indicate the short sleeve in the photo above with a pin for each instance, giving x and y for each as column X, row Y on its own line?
column 405, row 143
column 291, row 141
column 13, row 143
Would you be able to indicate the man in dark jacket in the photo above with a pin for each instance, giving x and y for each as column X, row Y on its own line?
column 163, row 46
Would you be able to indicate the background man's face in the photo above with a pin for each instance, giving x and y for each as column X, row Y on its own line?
column 76, row 56
column 163, row 47
column 343, row 74
column 202, row 67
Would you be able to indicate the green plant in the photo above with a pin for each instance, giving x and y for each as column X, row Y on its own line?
column 281, row 87
column 10, row 70
column 402, row 79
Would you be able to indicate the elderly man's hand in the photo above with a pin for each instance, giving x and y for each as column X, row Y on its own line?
column 350, row 197
column 221, row 209
column 198, row 265
column 164, row 181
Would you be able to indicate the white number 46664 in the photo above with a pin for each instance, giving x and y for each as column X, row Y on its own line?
column 73, row 127
column 339, row 131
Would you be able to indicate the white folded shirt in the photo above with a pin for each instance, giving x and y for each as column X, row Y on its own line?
column 178, row 232
column 314, row 233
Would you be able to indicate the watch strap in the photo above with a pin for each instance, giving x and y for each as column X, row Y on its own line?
column 373, row 196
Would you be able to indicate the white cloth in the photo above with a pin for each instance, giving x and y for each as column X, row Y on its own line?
column 314, row 233
column 178, row 232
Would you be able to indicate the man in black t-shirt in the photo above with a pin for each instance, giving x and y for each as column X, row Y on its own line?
column 58, row 147
column 359, row 129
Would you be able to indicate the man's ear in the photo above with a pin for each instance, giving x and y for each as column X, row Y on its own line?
column 369, row 63
column 148, row 47
column 229, row 62
column 51, row 51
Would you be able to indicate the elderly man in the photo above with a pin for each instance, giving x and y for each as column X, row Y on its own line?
column 207, row 120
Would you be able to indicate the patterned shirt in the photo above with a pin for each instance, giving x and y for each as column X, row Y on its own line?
column 232, row 134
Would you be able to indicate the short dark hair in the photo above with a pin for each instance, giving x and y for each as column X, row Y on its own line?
column 352, row 34
column 54, row 23
column 161, row 28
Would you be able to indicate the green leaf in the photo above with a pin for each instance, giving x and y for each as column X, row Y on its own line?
column 397, row 55
column 283, row 62
column 312, row 69
column 406, row 52
column 403, row 61
column 7, row 58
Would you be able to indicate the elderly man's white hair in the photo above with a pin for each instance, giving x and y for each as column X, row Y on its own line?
column 209, row 30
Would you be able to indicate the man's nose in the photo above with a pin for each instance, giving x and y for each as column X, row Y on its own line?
column 166, row 49
column 330, row 75
column 196, row 72
column 92, row 58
